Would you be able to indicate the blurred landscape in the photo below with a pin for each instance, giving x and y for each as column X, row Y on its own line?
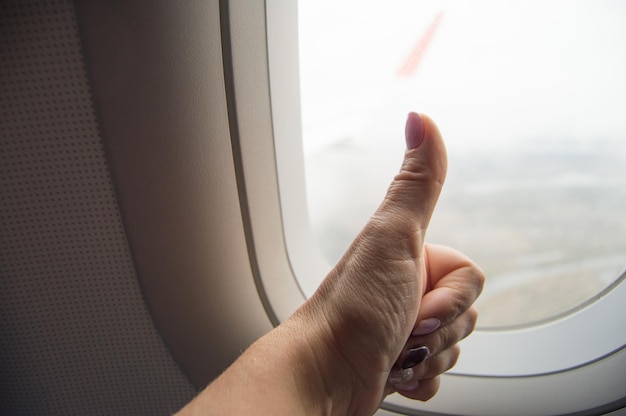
column 533, row 111
column 546, row 223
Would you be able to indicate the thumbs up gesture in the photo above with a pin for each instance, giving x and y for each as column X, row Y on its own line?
column 395, row 307
column 386, row 319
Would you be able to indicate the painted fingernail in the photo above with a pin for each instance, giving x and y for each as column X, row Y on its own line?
column 414, row 130
column 410, row 386
column 400, row 376
column 415, row 356
column 427, row 326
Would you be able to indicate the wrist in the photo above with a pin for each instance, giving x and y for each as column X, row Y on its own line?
column 278, row 374
column 299, row 368
column 328, row 373
column 324, row 382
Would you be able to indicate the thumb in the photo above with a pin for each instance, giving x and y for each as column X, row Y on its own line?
column 414, row 191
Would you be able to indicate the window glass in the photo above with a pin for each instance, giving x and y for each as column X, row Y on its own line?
column 531, row 99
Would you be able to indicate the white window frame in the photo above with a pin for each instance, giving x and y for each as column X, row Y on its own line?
column 572, row 365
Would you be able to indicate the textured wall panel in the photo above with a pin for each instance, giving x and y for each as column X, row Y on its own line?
column 75, row 334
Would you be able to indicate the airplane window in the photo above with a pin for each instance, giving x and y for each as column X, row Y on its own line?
column 530, row 97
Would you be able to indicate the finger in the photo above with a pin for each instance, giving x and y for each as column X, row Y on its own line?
column 425, row 389
column 414, row 191
column 454, row 283
column 418, row 387
column 406, row 379
column 447, row 336
column 418, row 360
column 437, row 364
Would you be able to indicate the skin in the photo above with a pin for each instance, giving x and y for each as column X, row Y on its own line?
column 333, row 356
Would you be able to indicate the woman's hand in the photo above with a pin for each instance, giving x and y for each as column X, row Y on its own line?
column 388, row 282
column 387, row 318
column 446, row 316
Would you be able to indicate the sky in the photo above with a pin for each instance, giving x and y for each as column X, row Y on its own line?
column 494, row 72
column 530, row 97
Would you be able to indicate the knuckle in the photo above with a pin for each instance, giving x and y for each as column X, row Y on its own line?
column 454, row 356
column 473, row 319
column 478, row 277
column 468, row 323
column 459, row 304
column 447, row 336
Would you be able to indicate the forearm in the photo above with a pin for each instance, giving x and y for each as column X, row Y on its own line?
column 280, row 374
